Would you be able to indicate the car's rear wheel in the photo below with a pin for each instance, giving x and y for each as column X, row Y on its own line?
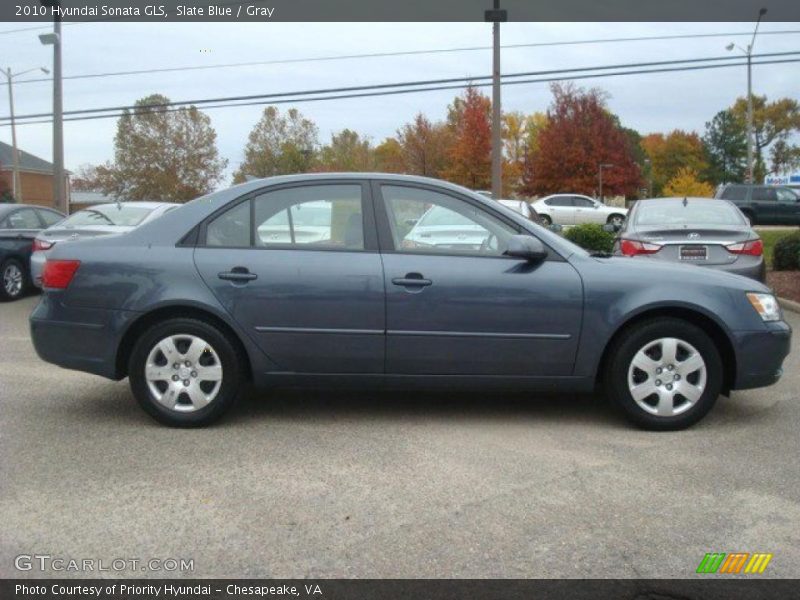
column 14, row 280
column 546, row 220
column 186, row 372
column 665, row 374
column 616, row 219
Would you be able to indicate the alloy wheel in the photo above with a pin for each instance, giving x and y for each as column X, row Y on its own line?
column 183, row 373
column 667, row 377
column 12, row 280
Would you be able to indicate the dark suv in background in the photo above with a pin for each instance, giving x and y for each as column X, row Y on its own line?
column 764, row 204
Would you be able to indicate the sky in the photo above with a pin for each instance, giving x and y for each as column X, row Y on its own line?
column 648, row 103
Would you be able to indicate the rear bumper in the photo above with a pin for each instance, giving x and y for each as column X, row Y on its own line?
column 760, row 355
column 78, row 338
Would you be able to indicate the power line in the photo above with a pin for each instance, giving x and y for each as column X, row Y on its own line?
column 299, row 100
column 462, row 80
column 394, row 54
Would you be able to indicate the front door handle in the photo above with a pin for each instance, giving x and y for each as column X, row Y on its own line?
column 238, row 274
column 412, row 280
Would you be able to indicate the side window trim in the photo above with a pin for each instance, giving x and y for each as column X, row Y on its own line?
column 367, row 215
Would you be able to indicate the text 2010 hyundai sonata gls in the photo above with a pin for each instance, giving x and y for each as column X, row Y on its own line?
column 318, row 279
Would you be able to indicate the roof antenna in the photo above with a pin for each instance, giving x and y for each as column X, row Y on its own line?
column 685, row 201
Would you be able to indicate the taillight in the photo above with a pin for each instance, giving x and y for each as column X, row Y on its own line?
column 751, row 248
column 58, row 273
column 634, row 247
column 41, row 245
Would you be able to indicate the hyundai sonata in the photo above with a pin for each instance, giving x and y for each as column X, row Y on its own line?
column 211, row 295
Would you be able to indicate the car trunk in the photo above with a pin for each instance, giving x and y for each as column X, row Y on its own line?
column 704, row 246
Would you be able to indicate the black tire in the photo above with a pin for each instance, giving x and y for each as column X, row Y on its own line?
column 20, row 284
column 226, row 350
column 639, row 336
column 546, row 220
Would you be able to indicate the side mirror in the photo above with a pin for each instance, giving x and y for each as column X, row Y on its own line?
column 611, row 227
column 527, row 248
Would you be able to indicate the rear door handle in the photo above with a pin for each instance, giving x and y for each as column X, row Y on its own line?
column 237, row 274
column 412, row 280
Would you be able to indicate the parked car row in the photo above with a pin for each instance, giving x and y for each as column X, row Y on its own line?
column 391, row 280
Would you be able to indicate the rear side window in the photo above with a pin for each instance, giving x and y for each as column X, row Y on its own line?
column 735, row 192
column 582, row 202
column 24, row 219
column 764, row 194
column 231, row 229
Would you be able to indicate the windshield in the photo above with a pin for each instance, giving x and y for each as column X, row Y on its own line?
column 694, row 213
column 124, row 216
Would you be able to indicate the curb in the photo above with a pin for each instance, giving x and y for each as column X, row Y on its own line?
column 789, row 305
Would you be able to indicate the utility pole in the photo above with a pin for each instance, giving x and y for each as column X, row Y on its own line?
column 54, row 39
column 16, row 184
column 496, row 16
column 750, row 133
column 600, row 176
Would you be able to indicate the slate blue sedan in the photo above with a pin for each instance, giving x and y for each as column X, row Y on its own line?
column 328, row 280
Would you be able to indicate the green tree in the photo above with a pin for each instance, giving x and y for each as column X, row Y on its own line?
column 348, row 151
column 389, row 156
column 773, row 121
column 279, row 145
column 726, row 144
column 162, row 153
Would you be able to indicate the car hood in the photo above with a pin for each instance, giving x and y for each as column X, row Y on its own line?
column 59, row 234
column 663, row 272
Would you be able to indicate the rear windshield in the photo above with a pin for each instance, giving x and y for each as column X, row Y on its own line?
column 694, row 213
column 124, row 216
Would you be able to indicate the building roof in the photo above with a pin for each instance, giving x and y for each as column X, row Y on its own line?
column 27, row 161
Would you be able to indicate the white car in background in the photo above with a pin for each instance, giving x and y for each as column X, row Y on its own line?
column 576, row 209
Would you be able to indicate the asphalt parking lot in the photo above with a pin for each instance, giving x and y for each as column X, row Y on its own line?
column 297, row 484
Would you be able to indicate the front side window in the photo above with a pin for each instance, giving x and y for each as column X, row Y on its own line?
column 559, row 201
column 582, row 202
column 231, row 229
column 427, row 222
column 735, row 192
column 787, row 196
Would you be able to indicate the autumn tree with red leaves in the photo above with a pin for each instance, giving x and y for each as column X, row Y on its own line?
column 469, row 119
column 579, row 136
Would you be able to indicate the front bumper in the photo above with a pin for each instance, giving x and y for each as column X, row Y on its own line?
column 82, row 339
column 760, row 355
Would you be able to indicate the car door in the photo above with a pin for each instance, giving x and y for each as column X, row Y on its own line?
column 298, row 268
column 765, row 201
column 787, row 207
column 465, row 308
column 585, row 211
column 561, row 210
column 17, row 232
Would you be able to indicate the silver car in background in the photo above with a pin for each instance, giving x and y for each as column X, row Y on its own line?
column 101, row 219
column 694, row 231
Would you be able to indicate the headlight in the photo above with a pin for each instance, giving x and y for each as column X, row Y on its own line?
column 766, row 305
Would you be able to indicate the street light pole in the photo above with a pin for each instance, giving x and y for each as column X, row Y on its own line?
column 600, row 176
column 54, row 39
column 496, row 16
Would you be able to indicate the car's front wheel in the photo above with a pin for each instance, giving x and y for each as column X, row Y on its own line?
column 14, row 280
column 665, row 374
column 186, row 372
